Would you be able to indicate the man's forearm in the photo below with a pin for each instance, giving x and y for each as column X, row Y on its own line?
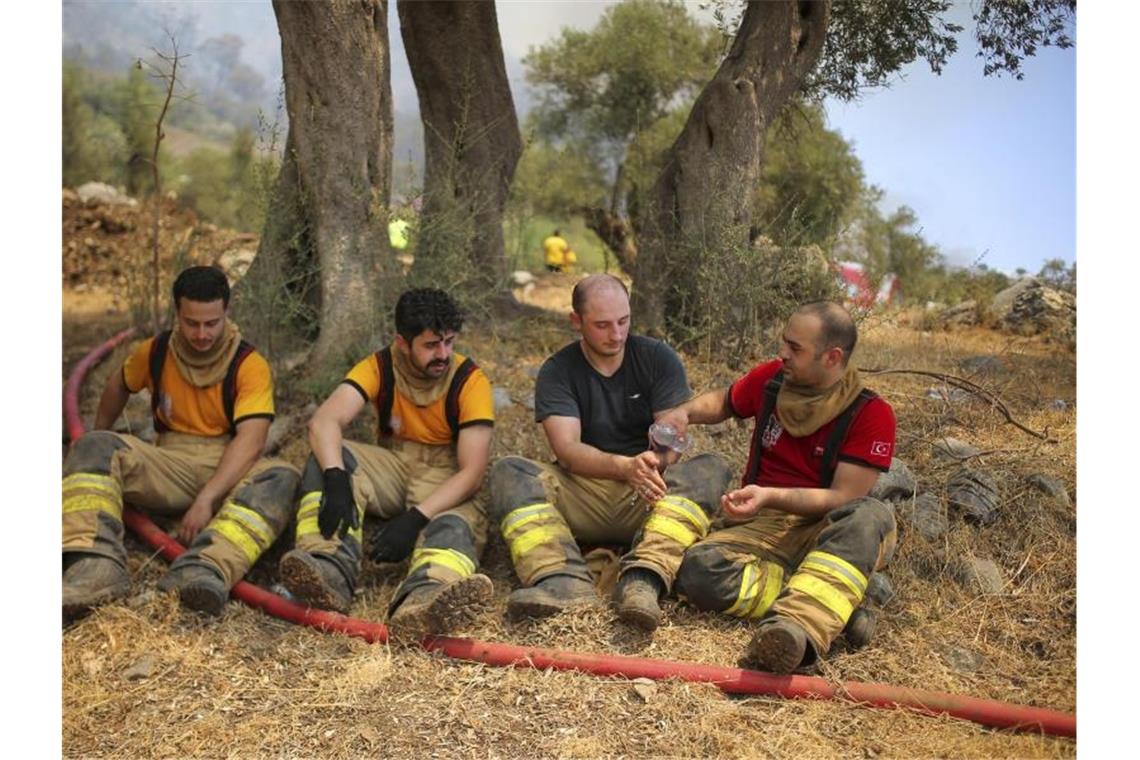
column 326, row 441
column 591, row 462
column 708, row 408
column 453, row 491
column 239, row 456
column 111, row 402
column 808, row 502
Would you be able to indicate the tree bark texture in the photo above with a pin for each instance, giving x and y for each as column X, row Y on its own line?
column 471, row 135
column 700, row 198
column 329, row 212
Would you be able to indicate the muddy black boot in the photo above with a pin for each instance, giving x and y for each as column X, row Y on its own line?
column 199, row 588
column 441, row 608
column 91, row 580
column 550, row 596
column 636, row 596
column 315, row 581
column 778, row 647
column 860, row 628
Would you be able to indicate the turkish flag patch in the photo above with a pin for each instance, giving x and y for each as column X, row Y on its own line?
column 881, row 449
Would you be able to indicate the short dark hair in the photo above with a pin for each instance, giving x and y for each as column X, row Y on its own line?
column 201, row 284
column 837, row 328
column 557, row 232
column 586, row 286
column 422, row 309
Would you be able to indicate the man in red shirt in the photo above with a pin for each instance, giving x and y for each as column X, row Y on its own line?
column 803, row 535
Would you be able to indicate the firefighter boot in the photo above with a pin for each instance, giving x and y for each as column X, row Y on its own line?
column 315, row 581
column 200, row 588
column 440, row 608
column 778, row 647
column 636, row 596
column 550, row 596
column 860, row 628
column 91, row 580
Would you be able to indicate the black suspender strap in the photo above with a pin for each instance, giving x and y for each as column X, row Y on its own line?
column 771, row 390
column 229, row 384
column 838, row 434
column 155, row 361
column 387, row 390
column 452, row 405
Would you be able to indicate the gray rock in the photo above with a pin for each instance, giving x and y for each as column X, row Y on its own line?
column 95, row 193
column 961, row 659
column 896, row 483
column 880, row 590
column 946, row 393
column 142, row 668
column 502, row 398
column 954, row 450
column 926, row 515
column 982, row 365
column 959, row 315
column 1059, row 405
column 1051, row 486
column 982, row 576
column 521, row 277
column 1003, row 301
column 532, row 371
column 975, row 493
column 528, row 401
column 1040, row 309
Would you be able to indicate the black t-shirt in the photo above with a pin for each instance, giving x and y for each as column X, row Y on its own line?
column 615, row 411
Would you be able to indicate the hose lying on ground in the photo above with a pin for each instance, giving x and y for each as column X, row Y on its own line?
column 732, row 680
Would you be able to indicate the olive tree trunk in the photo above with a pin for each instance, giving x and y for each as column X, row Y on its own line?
column 699, row 201
column 471, row 141
column 325, row 233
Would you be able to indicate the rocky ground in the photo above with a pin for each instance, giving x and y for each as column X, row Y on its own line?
column 980, row 598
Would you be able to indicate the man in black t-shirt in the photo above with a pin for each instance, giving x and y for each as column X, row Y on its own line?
column 596, row 399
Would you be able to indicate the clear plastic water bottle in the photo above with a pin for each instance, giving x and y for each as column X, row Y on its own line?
column 663, row 439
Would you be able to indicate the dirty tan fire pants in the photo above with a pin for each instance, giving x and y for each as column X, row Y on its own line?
column 544, row 511
column 103, row 470
column 811, row 571
column 388, row 480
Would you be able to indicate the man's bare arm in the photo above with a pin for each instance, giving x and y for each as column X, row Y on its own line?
column 473, row 451
column 708, row 408
column 851, row 482
column 240, row 454
column 111, row 403
column 565, row 437
column 328, row 423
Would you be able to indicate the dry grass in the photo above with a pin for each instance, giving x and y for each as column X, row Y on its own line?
column 252, row 686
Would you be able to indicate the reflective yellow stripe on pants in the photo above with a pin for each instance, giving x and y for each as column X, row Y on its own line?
column 308, row 513
column 760, row 584
column 531, row 526
column 831, row 581
column 449, row 558
column 244, row 528
column 693, row 525
column 83, row 492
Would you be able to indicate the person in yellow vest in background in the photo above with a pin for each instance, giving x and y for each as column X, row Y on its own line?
column 212, row 402
column 559, row 257
column 435, row 412
column 398, row 233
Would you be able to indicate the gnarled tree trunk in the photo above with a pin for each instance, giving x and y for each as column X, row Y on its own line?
column 327, row 220
column 471, row 136
column 700, row 199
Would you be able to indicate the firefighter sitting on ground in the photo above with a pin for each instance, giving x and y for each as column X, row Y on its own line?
column 435, row 422
column 212, row 401
column 596, row 399
column 559, row 257
column 806, row 536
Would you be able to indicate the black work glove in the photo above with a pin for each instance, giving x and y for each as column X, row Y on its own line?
column 398, row 537
column 338, row 510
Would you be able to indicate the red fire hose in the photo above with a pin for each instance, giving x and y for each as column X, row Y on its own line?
column 987, row 712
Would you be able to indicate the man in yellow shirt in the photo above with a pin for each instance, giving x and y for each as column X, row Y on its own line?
column 212, row 401
column 559, row 257
column 435, row 415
